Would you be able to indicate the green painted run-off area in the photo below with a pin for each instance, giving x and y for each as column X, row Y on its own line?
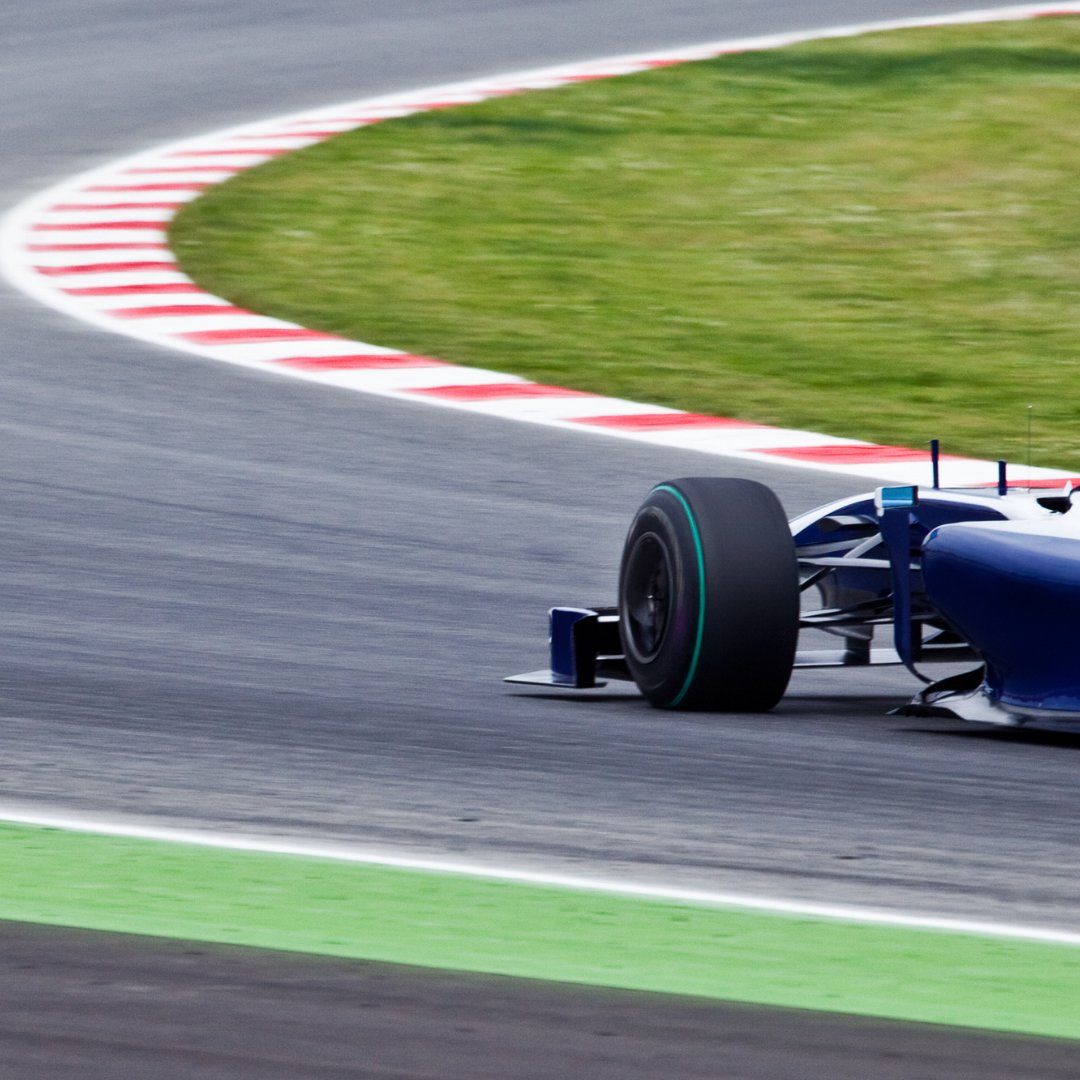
column 345, row 909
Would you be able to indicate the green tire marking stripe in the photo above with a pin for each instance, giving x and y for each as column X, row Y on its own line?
column 464, row 923
column 694, row 660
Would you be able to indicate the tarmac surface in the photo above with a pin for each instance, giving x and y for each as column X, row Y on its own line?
column 95, row 1007
column 249, row 603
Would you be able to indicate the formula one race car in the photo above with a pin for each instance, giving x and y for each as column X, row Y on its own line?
column 713, row 584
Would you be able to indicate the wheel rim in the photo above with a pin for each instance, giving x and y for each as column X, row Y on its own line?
column 647, row 596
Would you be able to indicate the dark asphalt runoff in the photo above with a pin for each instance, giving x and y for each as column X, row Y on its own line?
column 255, row 604
column 82, row 1006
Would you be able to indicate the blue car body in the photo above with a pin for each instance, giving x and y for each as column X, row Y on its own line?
column 1012, row 590
column 984, row 580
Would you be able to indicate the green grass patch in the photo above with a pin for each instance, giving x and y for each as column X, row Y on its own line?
column 875, row 237
column 470, row 924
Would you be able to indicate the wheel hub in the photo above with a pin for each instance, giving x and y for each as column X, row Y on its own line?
column 647, row 595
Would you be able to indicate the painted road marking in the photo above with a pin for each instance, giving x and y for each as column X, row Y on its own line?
column 333, row 899
column 533, row 929
column 351, row 853
column 103, row 234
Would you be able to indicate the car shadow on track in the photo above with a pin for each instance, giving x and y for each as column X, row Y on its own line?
column 1063, row 740
column 861, row 707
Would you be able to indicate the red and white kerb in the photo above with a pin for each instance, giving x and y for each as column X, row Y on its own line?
column 96, row 247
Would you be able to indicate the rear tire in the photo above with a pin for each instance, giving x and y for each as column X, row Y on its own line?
column 709, row 596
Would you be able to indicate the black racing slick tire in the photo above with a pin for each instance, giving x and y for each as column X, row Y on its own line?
column 709, row 596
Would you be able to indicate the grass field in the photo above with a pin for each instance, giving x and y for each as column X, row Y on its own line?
column 874, row 237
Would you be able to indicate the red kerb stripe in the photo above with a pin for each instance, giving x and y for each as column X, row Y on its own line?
column 848, row 455
column 68, row 207
column 361, row 119
column 310, row 133
column 164, row 310
column 264, row 151
column 179, row 168
column 82, row 226
column 360, row 361
column 494, row 391
column 104, row 268
column 254, row 335
column 660, row 421
column 193, row 185
column 116, row 245
column 1022, row 485
column 132, row 290
column 430, row 106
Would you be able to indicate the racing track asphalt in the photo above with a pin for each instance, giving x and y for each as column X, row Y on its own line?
column 257, row 604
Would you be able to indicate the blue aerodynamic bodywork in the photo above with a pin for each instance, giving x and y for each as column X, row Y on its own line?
column 1013, row 592
column 721, row 598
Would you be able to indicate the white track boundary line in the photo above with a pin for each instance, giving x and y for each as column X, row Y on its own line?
column 95, row 247
column 73, row 227
column 347, row 853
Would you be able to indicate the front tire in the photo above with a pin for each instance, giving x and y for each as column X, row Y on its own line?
column 709, row 596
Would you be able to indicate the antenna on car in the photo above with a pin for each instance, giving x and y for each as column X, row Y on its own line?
column 935, row 462
column 1030, row 408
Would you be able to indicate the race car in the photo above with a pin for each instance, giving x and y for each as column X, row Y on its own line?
column 716, row 587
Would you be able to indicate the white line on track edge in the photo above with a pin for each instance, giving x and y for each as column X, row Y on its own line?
column 346, row 853
column 12, row 266
column 17, row 264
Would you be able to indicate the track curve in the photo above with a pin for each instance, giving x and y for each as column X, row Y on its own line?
column 97, row 247
column 255, row 605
